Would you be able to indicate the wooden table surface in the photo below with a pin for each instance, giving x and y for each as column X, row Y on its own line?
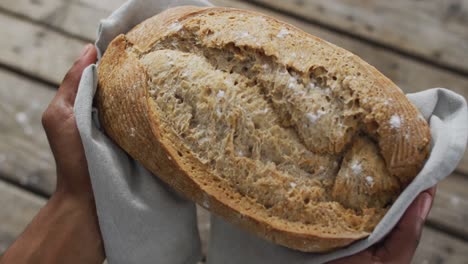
column 417, row 44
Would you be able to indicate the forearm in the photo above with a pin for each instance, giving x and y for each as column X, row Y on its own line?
column 64, row 231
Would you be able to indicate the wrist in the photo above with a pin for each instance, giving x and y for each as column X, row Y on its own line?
column 78, row 213
column 67, row 204
column 65, row 229
column 69, row 195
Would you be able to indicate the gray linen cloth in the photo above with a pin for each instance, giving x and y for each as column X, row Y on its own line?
column 143, row 221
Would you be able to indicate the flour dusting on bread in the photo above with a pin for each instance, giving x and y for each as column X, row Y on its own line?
column 282, row 33
column 395, row 121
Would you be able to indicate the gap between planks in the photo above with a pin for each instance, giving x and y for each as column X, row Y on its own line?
column 29, row 76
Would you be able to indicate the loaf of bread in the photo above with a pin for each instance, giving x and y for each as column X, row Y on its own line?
column 277, row 131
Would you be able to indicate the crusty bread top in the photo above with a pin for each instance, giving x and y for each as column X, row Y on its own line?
column 391, row 116
column 332, row 123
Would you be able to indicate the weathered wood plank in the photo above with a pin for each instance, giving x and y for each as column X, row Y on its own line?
column 435, row 30
column 75, row 17
column 436, row 247
column 105, row 5
column 25, row 156
column 36, row 50
column 18, row 209
column 450, row 209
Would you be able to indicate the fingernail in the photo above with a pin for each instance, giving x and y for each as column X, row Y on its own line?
column 425, row 204
column 85, row 50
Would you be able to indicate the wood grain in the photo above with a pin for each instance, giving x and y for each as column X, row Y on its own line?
column 80, row 18
column 36, row 50
column 18, row 208
column 25, row 157
column 434, row 30
column 438, row 248
column 450, row 208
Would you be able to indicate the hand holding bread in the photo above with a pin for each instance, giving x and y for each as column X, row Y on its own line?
column 279, row 132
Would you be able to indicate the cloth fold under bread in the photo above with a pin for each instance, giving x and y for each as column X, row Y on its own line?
column 127, row 206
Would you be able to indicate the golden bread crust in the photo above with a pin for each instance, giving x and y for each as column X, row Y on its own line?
column 130, row 117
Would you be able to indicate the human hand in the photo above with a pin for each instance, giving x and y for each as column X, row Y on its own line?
column 400, row 245
column 66, row 229
column 62, row 133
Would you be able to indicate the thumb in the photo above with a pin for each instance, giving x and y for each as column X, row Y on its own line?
column 69, row 87
column 404, row 239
